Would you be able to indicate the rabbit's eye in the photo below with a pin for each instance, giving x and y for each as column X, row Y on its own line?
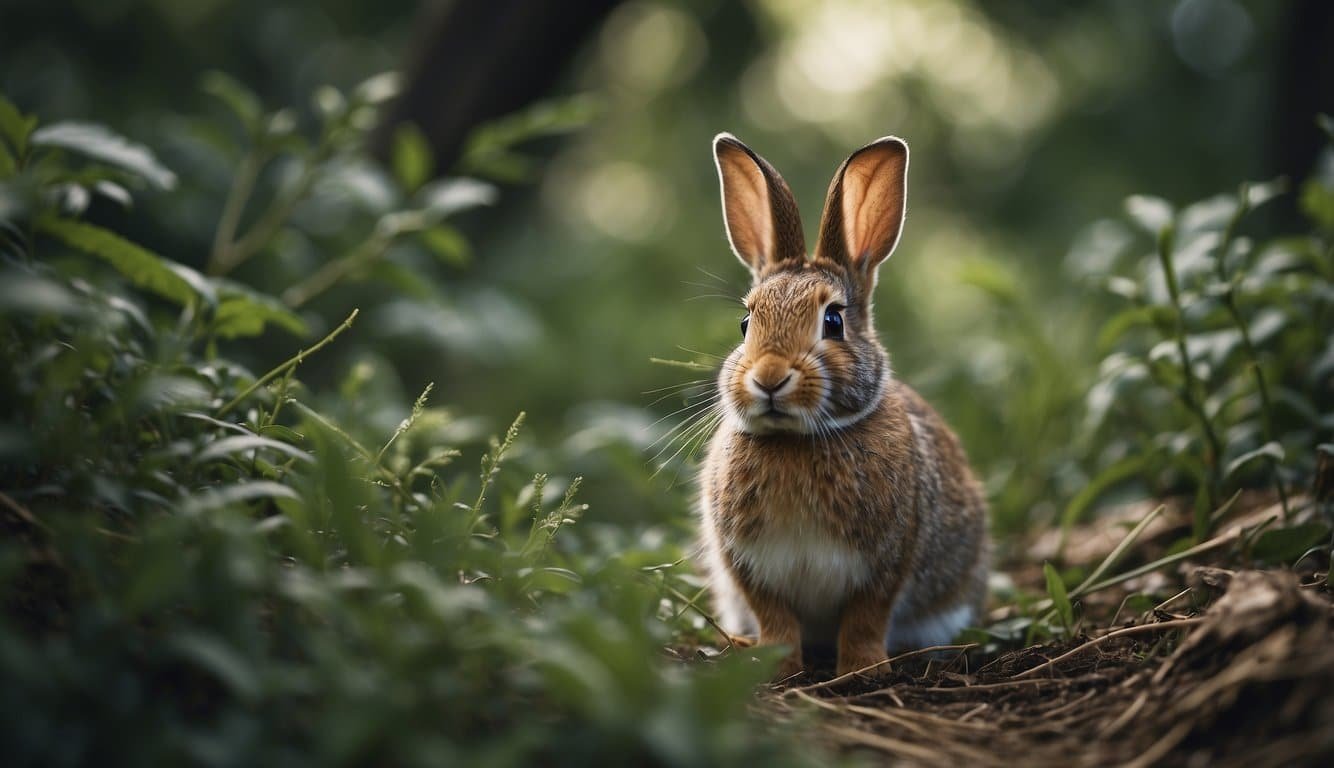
column 833, row 322
column 745, row 323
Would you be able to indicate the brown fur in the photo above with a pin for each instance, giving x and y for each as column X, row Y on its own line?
column 849, row 473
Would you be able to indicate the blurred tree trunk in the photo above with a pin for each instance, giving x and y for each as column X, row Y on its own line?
column 476, row 60
column 1303, row 88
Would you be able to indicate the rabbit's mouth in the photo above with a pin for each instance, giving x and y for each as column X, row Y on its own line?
column 771, row 420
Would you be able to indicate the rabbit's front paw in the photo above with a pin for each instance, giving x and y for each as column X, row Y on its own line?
column 789, row 667
column 870, row 662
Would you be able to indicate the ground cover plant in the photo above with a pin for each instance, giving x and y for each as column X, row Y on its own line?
column 217, row 553
column 205, row 564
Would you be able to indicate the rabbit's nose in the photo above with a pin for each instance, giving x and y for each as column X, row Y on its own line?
column 769, row 377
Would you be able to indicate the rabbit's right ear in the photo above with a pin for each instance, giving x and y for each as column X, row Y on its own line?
column 863, row 214
column 763, row 225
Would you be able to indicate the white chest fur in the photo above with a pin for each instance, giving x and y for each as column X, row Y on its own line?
column 811, row 570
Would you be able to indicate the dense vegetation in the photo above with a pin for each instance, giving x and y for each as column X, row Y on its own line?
column 205, row 564
column 258, row 498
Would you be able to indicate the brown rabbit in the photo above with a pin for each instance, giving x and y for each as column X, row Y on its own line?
column 838, row 508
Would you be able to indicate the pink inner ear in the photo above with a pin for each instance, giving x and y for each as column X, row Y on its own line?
column 746, row 201
column 873, row 188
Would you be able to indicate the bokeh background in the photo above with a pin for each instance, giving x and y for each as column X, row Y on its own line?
column 1030, row 123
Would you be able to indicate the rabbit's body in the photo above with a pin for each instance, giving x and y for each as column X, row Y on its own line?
column 837, row 507
column 802, row 518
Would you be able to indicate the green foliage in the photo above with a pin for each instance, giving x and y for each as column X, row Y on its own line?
column 140, row 266
column 203, row 565
column 490, row 150
column 413, row 163
column 1060, row 600
column 96, row 142
column 1212, row 380
column 1290, row 544
column 206, row 563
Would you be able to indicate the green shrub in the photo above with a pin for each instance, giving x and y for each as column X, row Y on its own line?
column 1218, row 374
column 205, row 565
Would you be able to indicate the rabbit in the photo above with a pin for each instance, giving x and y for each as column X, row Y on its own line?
column 837, row 509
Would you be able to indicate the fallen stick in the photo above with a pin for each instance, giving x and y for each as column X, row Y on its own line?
column 1142, row 628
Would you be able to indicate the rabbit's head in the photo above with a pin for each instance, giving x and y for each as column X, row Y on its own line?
column 809, row 360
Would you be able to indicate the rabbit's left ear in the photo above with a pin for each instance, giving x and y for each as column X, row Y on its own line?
column 763, row 226
column 863, row 214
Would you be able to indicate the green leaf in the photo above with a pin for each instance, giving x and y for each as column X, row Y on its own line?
column 489, row 149
column 1209, row 215
column 1260, row 192
column 24, row 293
column 99, row 143
column 412, row 159
column 1127, row 320
column 243, row 312
column 1123, row 287
column 240, row 100
column 1317, row 202
column 141, row 266
column 114, row 192
column 1118, row 472
column 448, row 244
column 449, row 196
column 237, row 493
column 159, row 392
column 992, row 277
column 1284, row 545
column 241, row 443
column 1152, row 214
column 550, row 579
column 378, row 89
column 329, row 101
column 15, row 128
column 286, row 434
column 1272, row 449
column 1059, row 599
column 1117, row 552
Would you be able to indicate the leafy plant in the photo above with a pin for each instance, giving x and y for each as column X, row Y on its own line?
column 1215, row 376
column 205, row 565
column 1060, row 599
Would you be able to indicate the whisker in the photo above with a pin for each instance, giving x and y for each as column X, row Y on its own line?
column 689, row 391
column 702, row 428
column 680, row 385
column 699, row 409
column 700, row 352
column 728, row 299
column 686, row 409
column 688, row 397
column 721, row 281
column 688, row 429
column 691, row 406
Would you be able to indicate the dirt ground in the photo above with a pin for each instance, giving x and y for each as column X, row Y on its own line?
column 1234, row 668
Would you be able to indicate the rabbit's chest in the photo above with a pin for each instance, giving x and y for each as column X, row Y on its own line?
column 811, row 569
column 803, row 526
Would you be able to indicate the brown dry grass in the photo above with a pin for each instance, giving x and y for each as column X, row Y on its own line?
column 1236, row 668
column 1250, row 682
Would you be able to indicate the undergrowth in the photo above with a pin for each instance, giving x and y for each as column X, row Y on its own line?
column 1217, row 378
column 210, row 564
column 206, row 564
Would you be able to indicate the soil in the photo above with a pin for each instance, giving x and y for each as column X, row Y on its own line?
column 1234, row 668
